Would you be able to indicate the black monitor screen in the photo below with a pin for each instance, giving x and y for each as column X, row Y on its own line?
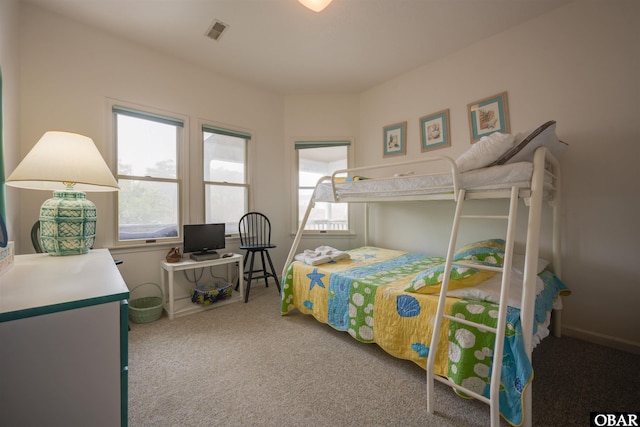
column 203, row 237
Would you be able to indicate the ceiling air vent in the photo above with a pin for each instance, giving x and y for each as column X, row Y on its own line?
column 216, row 30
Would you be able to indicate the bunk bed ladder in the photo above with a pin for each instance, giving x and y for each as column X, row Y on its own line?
column 493, row 401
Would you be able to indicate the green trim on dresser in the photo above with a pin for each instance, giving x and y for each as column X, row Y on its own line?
column 55, row 308
column 124, row 363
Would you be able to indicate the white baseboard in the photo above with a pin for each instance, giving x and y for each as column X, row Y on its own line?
column 617, row 343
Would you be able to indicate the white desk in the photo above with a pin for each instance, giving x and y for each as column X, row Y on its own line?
column 182, row 306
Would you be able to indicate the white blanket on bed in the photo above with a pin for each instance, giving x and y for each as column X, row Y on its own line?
column 489, row 290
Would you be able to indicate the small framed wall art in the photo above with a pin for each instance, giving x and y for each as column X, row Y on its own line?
column 434, row 131
column 489, row 115
column 394, row 139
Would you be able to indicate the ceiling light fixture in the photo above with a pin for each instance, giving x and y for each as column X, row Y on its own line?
column 315, row 5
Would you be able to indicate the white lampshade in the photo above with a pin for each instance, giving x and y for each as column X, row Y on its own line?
column 63, row 157
column 315, row 5
column 69, row 164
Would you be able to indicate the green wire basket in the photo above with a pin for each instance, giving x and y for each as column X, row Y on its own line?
column 146, row 309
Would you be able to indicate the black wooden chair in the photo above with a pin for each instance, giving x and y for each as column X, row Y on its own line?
column 35, row 237
column 37, row 245
column 255, row 237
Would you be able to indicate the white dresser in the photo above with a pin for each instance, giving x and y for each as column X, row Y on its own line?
column 63, row 341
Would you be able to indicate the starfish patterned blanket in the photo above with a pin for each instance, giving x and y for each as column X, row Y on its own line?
column 366, row 296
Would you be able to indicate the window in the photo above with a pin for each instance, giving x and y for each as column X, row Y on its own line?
column 148, row 174
column 315, row 160
column 226, row 186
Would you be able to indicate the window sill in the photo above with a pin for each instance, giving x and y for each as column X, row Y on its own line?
column 157, row 246
column 316, row 235
column 135, row 248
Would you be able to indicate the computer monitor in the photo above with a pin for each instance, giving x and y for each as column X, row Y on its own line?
column 203, row 239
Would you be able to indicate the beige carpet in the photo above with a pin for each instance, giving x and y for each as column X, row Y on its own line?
column 246, row 365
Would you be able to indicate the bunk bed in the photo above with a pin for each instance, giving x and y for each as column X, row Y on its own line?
column 478, row 303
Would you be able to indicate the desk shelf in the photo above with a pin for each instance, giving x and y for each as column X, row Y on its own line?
column 183, row 306
column 176, row 306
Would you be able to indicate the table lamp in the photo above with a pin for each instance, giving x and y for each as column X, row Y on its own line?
column 69, row 164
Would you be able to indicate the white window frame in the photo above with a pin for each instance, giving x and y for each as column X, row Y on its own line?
column 116, row 106
column 318, row 142
column 223, row 130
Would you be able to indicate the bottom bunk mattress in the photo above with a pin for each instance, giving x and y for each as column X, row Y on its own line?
column 366, row 296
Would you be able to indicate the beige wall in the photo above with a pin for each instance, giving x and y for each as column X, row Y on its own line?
column 577, row 65
column 69, row 71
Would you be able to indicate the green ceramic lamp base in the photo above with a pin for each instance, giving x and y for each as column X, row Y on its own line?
column 67, row 223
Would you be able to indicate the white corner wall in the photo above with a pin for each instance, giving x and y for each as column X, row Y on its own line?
column 313, row 117
column 577, row 65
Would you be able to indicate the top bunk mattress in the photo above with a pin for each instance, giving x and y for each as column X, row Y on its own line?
column 501, row 177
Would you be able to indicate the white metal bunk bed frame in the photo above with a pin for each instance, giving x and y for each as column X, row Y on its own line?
column 544, row 163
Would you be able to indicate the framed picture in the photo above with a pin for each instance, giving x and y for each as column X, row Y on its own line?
column 434, row 131
column 489, row 115
column 394, row 141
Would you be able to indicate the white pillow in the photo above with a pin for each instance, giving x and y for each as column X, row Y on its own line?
column 489, row 290
column 484, row 152
column 524, row 148
column 517, row 265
